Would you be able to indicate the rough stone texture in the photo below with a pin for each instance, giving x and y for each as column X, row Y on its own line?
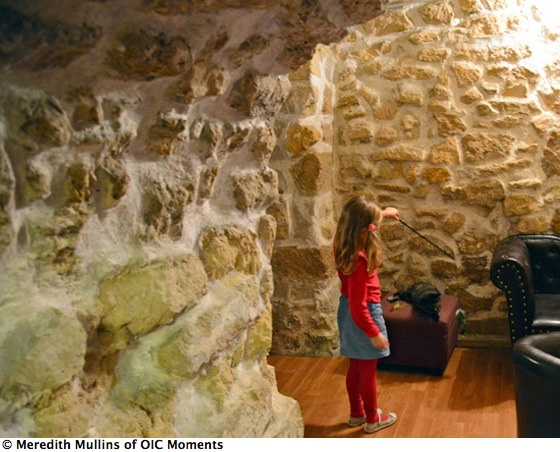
column 139, row 209
column 478, row 162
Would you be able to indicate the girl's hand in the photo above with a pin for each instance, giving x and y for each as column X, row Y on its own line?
column 390, row 212
column 380, row 341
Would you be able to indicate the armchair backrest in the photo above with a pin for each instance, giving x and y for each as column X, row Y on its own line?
column 544, row 251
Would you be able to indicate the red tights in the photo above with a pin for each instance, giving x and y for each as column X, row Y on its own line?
column 361, row 384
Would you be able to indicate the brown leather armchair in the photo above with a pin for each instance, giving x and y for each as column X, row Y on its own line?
column 537, row 385
column 526, row 268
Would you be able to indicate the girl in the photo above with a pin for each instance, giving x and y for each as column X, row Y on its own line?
column 363, row 336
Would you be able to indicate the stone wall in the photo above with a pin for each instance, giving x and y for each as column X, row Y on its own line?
column 138, row 211
column 447, row 110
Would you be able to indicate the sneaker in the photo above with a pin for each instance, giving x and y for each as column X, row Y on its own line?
column 356, row 421
column 381, row 423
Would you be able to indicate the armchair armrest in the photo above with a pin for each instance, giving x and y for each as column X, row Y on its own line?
column 510, row 271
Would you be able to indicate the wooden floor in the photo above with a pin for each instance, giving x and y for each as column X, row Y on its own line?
column 474, row 398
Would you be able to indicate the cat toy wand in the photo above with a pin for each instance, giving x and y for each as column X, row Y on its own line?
column 427, row 240
column 461, row 315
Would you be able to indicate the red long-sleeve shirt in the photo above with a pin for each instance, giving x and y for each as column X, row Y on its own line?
column 360, row 289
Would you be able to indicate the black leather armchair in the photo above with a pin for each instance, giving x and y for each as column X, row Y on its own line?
column 537, row 385
column 526, row 268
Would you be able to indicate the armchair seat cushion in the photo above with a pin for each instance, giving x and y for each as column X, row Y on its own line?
column 536, row 361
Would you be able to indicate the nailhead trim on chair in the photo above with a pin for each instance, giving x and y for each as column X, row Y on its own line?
column 506, row 267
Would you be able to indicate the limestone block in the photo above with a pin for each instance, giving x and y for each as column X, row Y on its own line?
column 313, row 173
column 423, row 247
column 477, row 269
column 516, row 88
column 515, row 107
column 534, row 224
column 480, row 147
column 7, row 186
column 302, row 263
column 446, row 153
column 385, row 111
column 231, row 249
column 264, row 141
column 423, row 37
column 442, row 268
column 355, row 166
column 78, row 183
column 267, row 233
column 148, row 55
column 483, row 193
column 255, row 410
column 474, row 54
column 484, row 26
column 212, row 329
column 555, row 223
column 443, row 90
column 354, row 113
column 67, row 414
column 410, row 124
column 550, row 99
column 122, row 420
column 386, row 136
column 484, row 109
column 46, row 122
column 449, row 123
column 510, row 54
column 87, row 112
column 466, row 74
column 250, row 47
column 453, row 223
column 532, row 184
column 41, row 349
column 257, row 95
column 164, row 206
column 520, row 204
column 207, row 179
column 470, row 6
column 360, row 131
column 259, row 337
column 203, row 79
column 111, row 183
column 306, row 98
column 398, row 154
column 436, row 175
column 409, row 94
column 437, row 13
column 389, row 23
column 254, row 188
column 471, row 95
column 166, row 134
column 279, row 210
column 266, row 283
column 543, row 124
column 301, row 137
column 410, row 72
column 433, row 55
column 140, row 299
column 498, row 70
column 477, row 240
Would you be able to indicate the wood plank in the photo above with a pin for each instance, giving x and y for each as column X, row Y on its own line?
column 473, row 398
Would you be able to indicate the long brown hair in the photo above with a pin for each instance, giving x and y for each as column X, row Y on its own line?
column 357, row 215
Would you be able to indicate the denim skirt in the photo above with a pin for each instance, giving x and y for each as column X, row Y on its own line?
column 353, row 341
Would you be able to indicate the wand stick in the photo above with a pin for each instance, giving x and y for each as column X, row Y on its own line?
column 427, row 240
